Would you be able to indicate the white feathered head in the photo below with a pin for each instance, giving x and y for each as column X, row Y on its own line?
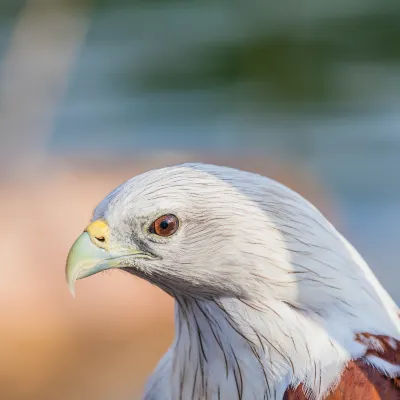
column 209, row 231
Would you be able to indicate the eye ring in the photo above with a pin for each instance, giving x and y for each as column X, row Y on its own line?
column 165, row 226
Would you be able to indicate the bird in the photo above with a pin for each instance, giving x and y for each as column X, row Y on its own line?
column 271, row 301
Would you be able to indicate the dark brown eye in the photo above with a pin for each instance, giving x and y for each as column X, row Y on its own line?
column 166, row 225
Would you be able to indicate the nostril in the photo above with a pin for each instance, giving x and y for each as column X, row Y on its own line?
column 100, row 238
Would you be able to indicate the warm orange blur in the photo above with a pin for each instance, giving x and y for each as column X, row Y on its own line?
column 104, row 343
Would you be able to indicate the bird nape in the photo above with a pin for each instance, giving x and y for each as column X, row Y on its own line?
column 271, row 301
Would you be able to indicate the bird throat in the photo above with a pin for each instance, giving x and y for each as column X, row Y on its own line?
column 217, row 356
column 231, row 349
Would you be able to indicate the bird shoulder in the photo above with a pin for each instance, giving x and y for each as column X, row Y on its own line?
column 360, row 380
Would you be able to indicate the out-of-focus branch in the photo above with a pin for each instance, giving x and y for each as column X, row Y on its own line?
column 33, row 76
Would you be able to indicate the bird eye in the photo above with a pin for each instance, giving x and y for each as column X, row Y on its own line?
column 166, row 225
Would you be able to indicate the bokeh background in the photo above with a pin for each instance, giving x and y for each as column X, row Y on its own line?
column 94, row 92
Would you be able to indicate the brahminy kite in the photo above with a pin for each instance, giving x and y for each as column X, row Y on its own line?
column 272, row 302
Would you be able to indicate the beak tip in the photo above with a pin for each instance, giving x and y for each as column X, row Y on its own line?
column 71, row 286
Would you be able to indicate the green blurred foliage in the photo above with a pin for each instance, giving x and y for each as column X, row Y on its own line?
column 254, row 51
column 10, row 8
column 276, row 67
column 275, row 54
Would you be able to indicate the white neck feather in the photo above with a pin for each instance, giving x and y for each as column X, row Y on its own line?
column 237, row 350
column 231, row 349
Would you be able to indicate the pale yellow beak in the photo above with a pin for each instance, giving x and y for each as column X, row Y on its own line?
column 90, row 254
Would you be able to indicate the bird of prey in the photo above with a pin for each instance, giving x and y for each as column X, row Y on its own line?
column 271, row 301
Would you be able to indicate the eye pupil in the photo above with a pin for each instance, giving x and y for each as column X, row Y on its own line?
column 164, row 225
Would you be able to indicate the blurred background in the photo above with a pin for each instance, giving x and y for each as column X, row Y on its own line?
column 94, row 92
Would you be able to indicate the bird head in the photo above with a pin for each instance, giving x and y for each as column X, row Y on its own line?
column 207, row 231
column 185, row 228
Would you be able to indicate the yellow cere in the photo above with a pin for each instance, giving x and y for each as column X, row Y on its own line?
column 99, row 233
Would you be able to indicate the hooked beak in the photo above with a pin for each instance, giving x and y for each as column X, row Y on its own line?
column 90, row 254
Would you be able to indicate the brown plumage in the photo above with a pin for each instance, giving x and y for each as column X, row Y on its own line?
column 361, row 381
